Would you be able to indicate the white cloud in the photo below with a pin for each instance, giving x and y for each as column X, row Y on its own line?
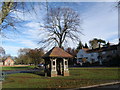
column 33, row 25
column 27, row 39
column 28, row 43
column 12, row 50
column 100, row 22
column 17, row 44
column 114, row 41
column 34, row 12
column 34, row 32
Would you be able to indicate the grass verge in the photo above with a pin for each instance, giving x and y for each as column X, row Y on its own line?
column 17, row 68
column 79, row 77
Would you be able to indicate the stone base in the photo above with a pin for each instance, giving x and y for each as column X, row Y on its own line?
column 53, row 74
column 66, row 73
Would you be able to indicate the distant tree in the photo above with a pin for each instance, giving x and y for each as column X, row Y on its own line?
column 30, row 56
column 36, row 55
column 2, row 52
column 80, row 46
column 95, row 43
column 23, row 51
column 71, row 51
column 100, row 41
column 61, row 24
column 23, row 57
column 107, row 44
column 86, row 46
column 74, row 52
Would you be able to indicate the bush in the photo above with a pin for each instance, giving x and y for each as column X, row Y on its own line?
column 86, row 64
column 114, row 62
column 96, row 63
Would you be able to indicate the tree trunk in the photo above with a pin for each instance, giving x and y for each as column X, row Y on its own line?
column 60, row 43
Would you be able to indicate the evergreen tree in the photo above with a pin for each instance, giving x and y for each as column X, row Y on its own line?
column 86, row 46
column 80, row 46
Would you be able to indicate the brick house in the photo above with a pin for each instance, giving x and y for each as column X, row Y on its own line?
column 8, row 62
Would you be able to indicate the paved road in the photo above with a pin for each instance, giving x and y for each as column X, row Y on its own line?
column 107, row 87
column 111, row 86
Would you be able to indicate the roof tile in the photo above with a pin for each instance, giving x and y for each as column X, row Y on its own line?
column 57, row 52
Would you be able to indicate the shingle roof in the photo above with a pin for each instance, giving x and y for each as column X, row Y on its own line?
column 112, row 47
column 7, row 58
column 58, row 53
column 86, row 49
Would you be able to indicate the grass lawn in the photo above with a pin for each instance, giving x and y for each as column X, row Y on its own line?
column 17, row 67
column 79, row 77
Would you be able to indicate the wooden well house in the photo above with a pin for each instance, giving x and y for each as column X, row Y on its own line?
column 56, row 62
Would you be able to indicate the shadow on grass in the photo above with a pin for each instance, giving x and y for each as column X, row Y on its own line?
column 39, row 72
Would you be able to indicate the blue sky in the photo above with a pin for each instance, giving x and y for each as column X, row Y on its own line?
column 98, row 20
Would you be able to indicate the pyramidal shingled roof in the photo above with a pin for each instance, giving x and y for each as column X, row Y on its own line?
column 57, row 52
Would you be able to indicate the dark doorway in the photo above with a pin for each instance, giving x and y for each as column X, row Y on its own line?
column 59, row 66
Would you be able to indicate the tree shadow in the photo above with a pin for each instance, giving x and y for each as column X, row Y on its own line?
column 15, row 68
column 39, row 72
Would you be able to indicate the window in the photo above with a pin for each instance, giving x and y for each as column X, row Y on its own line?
column 9, row 60
column 81, row 55
column 65, row 62
column 53, row 68
column 103, row 52
column 53, row 62
column 80, row 59
column 114, row 51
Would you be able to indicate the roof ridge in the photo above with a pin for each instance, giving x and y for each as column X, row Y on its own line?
column 57, row 52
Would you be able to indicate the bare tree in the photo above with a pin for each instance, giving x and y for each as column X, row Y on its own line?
column 7, row 19
column 61, row 24
column 118, row 4
column 2, row 52
column 10, row 10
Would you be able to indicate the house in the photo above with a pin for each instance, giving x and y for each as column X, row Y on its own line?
column 8, row 62
column 118, row 48
column 86, row 54
column 100, row 55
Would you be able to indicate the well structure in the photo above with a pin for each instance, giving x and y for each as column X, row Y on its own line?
column 56, row 62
